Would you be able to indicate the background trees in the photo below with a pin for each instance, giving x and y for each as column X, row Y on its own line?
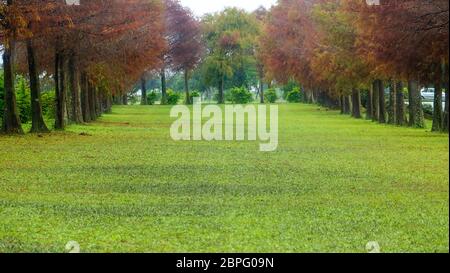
column 365, row 59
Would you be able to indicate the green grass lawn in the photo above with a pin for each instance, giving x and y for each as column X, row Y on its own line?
column 333, row 185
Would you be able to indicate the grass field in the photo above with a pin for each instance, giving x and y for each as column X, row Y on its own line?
column 333, row 185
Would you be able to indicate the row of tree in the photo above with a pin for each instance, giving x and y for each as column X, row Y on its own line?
column 338, row 49
column 95, row 51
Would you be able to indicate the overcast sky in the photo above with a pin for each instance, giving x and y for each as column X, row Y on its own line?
column 200, row 7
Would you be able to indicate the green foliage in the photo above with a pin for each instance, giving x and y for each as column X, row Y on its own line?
column 195, row 94
column 271, row 95
column 287, row 88
column 428, row 111
column 172, row 97
column 295, row 96
column 240, row 95
column 23, row 98
column 48, row 104
column 152, row 97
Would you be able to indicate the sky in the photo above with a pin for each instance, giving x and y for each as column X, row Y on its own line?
column 200, row 7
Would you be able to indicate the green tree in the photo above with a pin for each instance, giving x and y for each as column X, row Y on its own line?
column 230, row 38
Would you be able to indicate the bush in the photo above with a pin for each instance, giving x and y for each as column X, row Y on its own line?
column 172, row 97
column 241, row 95
column 271, row 95
column 294, row 96
column 23, row 97
column 428, row 111
column 152, row 97
column 290, row 86
column 48, row 104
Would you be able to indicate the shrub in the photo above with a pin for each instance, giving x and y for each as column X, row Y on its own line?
column 48, row 104
column 294, row 96
column 172, row 97
column 428, row 111
column 192, row 95
column 23, row 97
column 241, row 95
column 271, row 95
column 152, row 97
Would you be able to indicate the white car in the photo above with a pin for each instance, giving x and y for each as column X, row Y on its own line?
column 428, row 94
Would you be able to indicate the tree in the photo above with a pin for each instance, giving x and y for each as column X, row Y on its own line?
column 11, row 24
column 230, row 39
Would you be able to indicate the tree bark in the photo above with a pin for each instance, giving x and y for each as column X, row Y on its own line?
column 85, row 98
column 38, row 124
column 347, row 105
column 92, row 99
column 400, row 108
column 375, row 102
column 382, row 102
column 11, row 121
column 60, row 92
column 369, row 110
column 143, row 91
column 416, row 118
column 76, row 115
column 392, row 118
column 356, row 103
column 188, row 99
column 163, row 87
column 438, row 120
column 221, row 99
column 261, row 89
column 445, row 81
column 125, row 99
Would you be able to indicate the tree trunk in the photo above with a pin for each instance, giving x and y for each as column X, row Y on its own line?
column 144, row 100
column 92, row 99
column 125, row 99
column 76, row 115
column 38, row 124
column 221, row 99
column 382, row 102
column 261, row 89
column 342, row 104
column 369, row 110
column 438, row 120
column 11, row 121
column 375, row 102
column 356, row 103
column 347, row 105
column 400, row 108
column 416, row 118
column 85, row 98
column 60, row 92
column 98, row 102
column 445, row 80
column 163, row 87
column 392, row 118
column 188, row 99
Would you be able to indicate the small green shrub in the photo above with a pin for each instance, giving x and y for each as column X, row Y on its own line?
column 172, row 97
column 294, row 96
column 428, row 111
column 152, row 97
column 241, row 95
column 23, row 97
column 48, row 104
column 271, row 95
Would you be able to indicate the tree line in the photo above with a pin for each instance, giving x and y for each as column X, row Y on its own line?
column 339, row 53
